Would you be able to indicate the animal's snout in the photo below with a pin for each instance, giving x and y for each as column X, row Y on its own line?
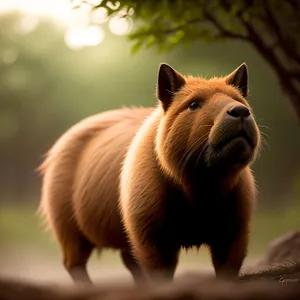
column 238, row 111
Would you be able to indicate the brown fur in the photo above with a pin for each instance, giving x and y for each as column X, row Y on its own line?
column 80, row 184
column 176, row 189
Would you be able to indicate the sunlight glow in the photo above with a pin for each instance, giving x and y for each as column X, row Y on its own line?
column 119, row 25
column 57, row 9
column 95, row 2
column 27, row 24
column 99, row 15
column 79, row 32
column 94, row 35
column 78, row 18
column 74, row 38
column 77, row 38
column 112, row 6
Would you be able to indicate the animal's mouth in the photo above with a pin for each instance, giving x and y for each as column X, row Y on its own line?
column 239, row 135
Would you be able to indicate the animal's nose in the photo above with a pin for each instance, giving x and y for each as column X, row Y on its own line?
column 239, row 111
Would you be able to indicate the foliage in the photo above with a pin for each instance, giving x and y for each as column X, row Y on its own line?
column 272, row 27
column 46, row 87
column 168, row 23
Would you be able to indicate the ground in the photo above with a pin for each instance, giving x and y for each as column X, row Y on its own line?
column 27, row 251
column 32, row 264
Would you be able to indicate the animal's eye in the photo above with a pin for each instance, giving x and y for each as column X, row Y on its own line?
column 194, row 105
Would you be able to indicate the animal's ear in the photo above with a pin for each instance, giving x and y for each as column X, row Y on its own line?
column 239, row 79
column 169, row 82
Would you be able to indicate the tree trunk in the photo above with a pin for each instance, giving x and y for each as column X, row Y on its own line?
column 286, row 66
column 293, row 95
column 289, row 83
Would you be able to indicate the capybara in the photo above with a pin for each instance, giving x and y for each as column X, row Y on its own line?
column 150, row 181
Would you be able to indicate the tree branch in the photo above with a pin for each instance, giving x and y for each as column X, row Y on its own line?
column 272, row 23
column 282, row 41
column 254, row 37
column 169, row 30
column 223, row 32
column 294, row 74
column 284, row 76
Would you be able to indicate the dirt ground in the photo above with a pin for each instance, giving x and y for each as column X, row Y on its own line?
column 47, row 268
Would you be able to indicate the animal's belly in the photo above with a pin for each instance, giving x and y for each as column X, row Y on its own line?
column 96, row 186
column 199, row 226
column 102, row 225
column 192, row 235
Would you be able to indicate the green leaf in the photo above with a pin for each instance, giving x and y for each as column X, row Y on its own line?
column 151, row 41
column 177, row 37
column 136, row 47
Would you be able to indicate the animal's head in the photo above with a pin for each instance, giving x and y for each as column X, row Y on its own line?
column 206, row 123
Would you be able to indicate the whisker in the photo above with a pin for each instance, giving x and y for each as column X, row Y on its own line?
column 199, row 143
column 265, row 126
column 188, row 153
column 193, row 144
column 264, row 134
column 200, row 154
column 265, row 142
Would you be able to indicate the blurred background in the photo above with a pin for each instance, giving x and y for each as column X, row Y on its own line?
column 56, row 69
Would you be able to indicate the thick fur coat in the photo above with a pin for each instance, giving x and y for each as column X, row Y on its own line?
column 149, row 181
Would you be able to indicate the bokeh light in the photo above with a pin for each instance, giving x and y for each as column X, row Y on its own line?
column 74, row 38
column 77, row 38
column 55, row 9
column 99, row 15
column 27, row 24
column 95, row 2
column 113, row 5
column 81, row 25
column 94, row 35
column 119, row 25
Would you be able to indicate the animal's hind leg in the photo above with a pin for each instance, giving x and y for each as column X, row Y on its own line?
column 76, row 254
column 132, row 266
column 76, row 249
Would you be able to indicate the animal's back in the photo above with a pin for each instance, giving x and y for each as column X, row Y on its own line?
column 80, row 179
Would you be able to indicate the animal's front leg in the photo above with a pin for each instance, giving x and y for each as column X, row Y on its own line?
column 149, row 228
column 228, row 256
column 158, row 261
column 154, row 248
